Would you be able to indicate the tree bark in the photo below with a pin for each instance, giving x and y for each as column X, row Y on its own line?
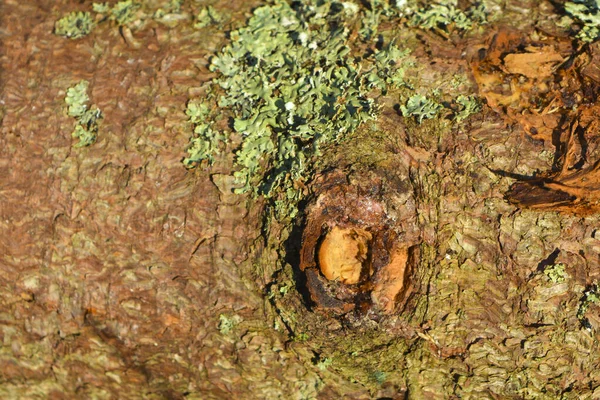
column 124, row 275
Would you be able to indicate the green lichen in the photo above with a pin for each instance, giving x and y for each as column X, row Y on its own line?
column 87, row 130
column 368, row 363
column 77, row 100
column 591, row 296
column 587, row 12
column 301, row 337
column 420, row 107
column 374, row 11
column 467, row 106
column 293, row 86
column 386, row 72
column 74, row 25
column 205, row 142
column 122, row 13
column 370, row 19
column 101, row 8
column 171, row 7
column 556, row 273
column 324, row 363
column 86, row 136
column 228, row 322
column 379, row 376
column 207, row 16
column 311, row 98
column 446, row 16
column 283, row 290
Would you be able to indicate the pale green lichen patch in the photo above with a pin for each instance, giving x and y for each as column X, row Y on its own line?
column 310, row 99
column 387, row 73
column 122, row 12
column 228, row 322
column 323, row 363
column 556, row 273
column 205, row 142
column 77, row 100
column 591, row 296
column 467, row 106
column 446, row 16
column 587, row 12
column 74, row 25
column 371, row 17
column 171, row 13
column 171, row 7
column 207, row 16
column 292, row 85
column 420, row 107
column 101, row 8
column 86, row 136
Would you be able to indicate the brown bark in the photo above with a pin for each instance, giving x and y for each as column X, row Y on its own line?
column 124, row 275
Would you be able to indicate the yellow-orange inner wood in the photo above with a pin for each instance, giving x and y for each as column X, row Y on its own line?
column 390, row 281
column 343, row 253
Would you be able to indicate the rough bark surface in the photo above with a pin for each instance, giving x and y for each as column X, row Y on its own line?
column 124, row 275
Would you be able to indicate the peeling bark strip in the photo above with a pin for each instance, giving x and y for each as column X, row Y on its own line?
column 549, row 88
column 356, row 255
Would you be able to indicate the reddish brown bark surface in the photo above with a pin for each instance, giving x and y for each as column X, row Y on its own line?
column 124, row 275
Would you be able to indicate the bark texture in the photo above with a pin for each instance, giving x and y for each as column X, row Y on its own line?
column 124, row 275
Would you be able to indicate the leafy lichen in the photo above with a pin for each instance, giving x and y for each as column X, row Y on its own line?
column 122, row 12
column 228, row 322
column 101, row 8
column 74, row 25
column 445, row 15
column 556, row 273
column 207, row 16
column 420, row 107
column 292, row 85
column 467, row 106
column 205, row 142
column 587, row 12
column 591, row 296
column 77, row 100
column 171, row 7
column 323, row 363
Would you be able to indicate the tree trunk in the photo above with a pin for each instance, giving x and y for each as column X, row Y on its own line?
column 126, row 275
